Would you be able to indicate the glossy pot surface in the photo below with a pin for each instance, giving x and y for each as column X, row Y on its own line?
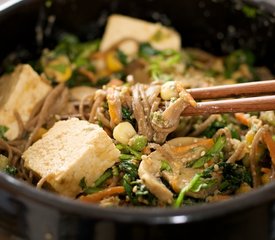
column 218, row 26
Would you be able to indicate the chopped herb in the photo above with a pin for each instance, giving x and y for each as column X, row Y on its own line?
column 11, row 170
column 3, row 130
column 127, row 114
column 138, row 142
column 165, row 166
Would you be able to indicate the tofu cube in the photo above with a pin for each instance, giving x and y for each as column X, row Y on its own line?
column 69, row 151
column 121, row 27
column 20, row 91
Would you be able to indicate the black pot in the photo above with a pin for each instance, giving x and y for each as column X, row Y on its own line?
column 218, row 26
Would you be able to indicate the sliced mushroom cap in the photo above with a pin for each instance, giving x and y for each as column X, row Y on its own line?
column 185, row 149
column 149, row 173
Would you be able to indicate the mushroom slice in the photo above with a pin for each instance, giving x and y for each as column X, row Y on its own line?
column 185, row 149
column 149, row 172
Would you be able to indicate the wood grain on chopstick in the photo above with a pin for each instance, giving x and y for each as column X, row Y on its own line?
column 234, row 90
column 252, row 104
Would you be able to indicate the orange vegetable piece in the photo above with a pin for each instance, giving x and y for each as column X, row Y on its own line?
column 242, row 118
column 98, row 196
column 206, row 143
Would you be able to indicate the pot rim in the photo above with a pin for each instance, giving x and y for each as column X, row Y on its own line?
column 148, row 215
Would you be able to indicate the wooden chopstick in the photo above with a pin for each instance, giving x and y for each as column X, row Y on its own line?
column 252, row 104
column 233, row 90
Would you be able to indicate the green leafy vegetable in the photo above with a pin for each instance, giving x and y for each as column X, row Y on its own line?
column 183, row 191
column 106, row 175
column 96, row 187
column 3, row 130
column 146, row 50
column 233, row 61
column 129, row 168
column 128, row 152
column 122, row 57
column 161, row 63
column 233, row 176
column 138, row 142
column 127, row 114
column 11, row 170
column 249, row 11
column 165, row 166
column 213, row 152
column 216, row 125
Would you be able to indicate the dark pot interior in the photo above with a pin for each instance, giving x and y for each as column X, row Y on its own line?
column 218, row 26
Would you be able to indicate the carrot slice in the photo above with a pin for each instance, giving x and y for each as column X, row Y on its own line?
column 267, row 137
column 242, row 118
column 265, row 170
column 206, row 143
column 98, row 196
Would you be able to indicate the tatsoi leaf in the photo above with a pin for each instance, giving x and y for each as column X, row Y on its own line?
column 3, row 130
column 183, row 191
column 214, row 151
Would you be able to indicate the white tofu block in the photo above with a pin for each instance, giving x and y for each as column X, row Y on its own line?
column 20, row 91
column 120, row 27
column 69, row 151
